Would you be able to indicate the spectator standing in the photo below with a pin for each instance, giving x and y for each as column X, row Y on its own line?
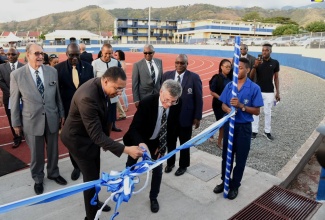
column 3, row 56
column 100, row 65
column 120, row 56
column 146, row 75
column 191, row 112
column 267, row 72
column 247, row 103
column 36, row 85
column 53, row 60
column 72, row 73
column 217, row 83
column 5, row 72
column 84, row 55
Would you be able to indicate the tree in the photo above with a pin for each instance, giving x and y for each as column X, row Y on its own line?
column 252, row 16
column 316, row 26
column 279, row 20
column 286, row 29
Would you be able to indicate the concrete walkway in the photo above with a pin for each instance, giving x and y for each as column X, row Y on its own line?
column 186, row 197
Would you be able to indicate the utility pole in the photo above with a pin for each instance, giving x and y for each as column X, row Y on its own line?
column 149, row 26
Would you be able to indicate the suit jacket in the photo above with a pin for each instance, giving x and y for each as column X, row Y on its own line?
column 35, row 111
column 87, row 57
column 142, row 84
column 5, row 70
column 67, row 88
column 192, row 97
column 87, row 129
column 144, row 122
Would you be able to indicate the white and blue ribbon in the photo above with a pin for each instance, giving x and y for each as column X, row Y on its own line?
column 232, row 119
column 120, row 184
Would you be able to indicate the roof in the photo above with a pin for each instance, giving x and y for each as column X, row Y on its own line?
column 5, row 33
column 21, row 34
column 34, row 34
column 106, row 33
column 12, row 38
column 71, row 33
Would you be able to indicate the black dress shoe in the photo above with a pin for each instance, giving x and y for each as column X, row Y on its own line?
column 180, row 171
column 16, row 144
column 219, row 188
column 106, row 207
column 38, row 188
column 116, row 129
column 75, row 174
column 232, row 194
column 154, row 205
column 169, row 169
column 59, row 180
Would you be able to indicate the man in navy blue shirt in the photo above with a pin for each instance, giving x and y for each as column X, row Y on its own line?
column 247, row 103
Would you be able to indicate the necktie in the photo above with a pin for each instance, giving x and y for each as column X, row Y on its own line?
column 179, row 79
column 39, row 84
column 12, row 67
column 153, row 77
column 75, row 76
column 163, row 133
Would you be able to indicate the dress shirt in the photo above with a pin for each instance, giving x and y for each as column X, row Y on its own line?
column 40, row 73
column 176, row 76
column 154, row 66
column 158, row 122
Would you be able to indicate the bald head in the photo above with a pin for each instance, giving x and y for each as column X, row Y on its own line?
column 82, row 47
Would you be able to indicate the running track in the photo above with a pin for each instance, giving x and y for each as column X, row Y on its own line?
column 205, row 66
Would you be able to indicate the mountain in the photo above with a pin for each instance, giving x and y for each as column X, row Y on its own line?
column 95, row 19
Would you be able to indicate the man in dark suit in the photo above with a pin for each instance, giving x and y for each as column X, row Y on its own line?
column 5, row 70
column 250, row 58
column 69, row 85
column 148, row 129
column 191, row 114
column 146, row 75
column 84, row 55
column 87, row 128
column 36, row 85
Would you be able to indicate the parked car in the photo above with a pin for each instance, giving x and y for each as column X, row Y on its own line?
column 306, row 43
column 282, row 41
column 259, row 41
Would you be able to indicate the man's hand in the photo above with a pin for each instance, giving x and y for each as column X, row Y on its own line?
column 235, row 102
column 277, row 97
column 18, row 130
column 196, row 123
column 134, row 151
column 136, row 104
column 62, row 120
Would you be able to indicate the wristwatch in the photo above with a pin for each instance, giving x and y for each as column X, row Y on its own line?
column 243, row 108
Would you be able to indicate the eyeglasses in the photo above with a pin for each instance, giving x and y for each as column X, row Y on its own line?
column 118, row 89
column 53, row 56
column 74, row 55
column 175, row 102
column 11, row 54
column 38, row 53
column 180, row 63
column 150, row 53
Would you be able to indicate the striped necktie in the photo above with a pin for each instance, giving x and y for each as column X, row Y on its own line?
column 39, row 84
column 13, row 67
column 163, row 132
column 153, row 75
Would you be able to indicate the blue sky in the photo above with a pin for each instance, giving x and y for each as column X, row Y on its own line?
column 20, row 10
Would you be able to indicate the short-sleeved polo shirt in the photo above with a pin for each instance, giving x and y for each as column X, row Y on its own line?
column 249, row 94
column 265, row 73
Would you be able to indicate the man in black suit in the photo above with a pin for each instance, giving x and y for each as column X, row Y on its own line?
column 69, row 85
column 191, row 113
column 5, row 70
column 84, row 55
column 86, row 129
column 148, row 129
column 250, row 58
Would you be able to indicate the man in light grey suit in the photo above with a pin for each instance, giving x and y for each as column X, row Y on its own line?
column 146, row 75
column 42, row 112
column 5, row 70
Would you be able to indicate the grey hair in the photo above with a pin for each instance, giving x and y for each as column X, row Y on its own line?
column 173, row 87
column 184, row 56
column 149, row 46
column 28, row 46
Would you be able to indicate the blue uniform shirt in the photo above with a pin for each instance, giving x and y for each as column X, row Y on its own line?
column 249, row 94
